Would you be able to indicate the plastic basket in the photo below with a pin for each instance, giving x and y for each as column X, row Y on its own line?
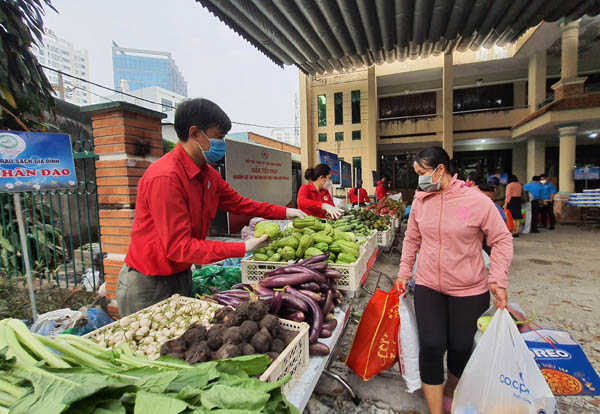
column 371, row 244
column 384, row 238
column 395, row 222
column 253, row 271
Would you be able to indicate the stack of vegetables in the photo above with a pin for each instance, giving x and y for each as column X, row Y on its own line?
column 387, row 206
column 213, row 278
column 247, row 330
column 145, row 331
column 73, row 375
column 300, row 292
column 309, row 237
column 362, row 218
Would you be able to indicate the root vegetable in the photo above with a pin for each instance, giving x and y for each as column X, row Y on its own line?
column 277, row 345
column 261, row 342
column 228, row 351
column 200, row 352
column 271, row 322
column 232, row 335
column 248, row 329
column 247, row 349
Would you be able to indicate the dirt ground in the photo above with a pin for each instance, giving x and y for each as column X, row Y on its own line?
column 554, row 273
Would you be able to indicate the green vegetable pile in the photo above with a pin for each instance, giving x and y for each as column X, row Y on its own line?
column 359, row 219
column 70, row 374
column 212, row 278
column 310, row 237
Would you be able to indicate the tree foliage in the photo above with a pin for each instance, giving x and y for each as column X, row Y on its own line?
column 24, row 89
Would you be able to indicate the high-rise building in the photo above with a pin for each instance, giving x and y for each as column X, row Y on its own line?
column 143, row 68
column 60, row 54
column 151, row 97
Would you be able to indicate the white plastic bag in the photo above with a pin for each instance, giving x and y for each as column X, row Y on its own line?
column 501, row 377
column 54, row 322
column 408, row 344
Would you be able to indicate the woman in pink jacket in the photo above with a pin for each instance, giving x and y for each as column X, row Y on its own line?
column 446, row 227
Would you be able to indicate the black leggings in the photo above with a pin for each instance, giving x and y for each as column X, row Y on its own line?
column 446, row 323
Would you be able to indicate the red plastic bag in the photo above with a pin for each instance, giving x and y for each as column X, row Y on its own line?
column 510, row 223
column 375, row 345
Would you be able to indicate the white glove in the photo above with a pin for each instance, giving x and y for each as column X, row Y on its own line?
column 257, row 243
column 291, row 213
column 334, row 212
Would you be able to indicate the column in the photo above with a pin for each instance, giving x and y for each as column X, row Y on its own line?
column 447, row 105
column 569, row 83
column 370, row 161
column 566, row 164
column 127, row 139
column 519, row 161
column 537, row 80
column 536, row 157
column 520, row 93
column 307, row 138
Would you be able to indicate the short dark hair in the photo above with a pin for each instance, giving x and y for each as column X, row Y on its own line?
column 201, row 113
column 476, row 178
column 535, row 178
column 543, row 176
column 512, row 179
column 432, row 157
column 320, row 170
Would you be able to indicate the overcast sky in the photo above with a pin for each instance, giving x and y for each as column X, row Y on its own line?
column 216, row 63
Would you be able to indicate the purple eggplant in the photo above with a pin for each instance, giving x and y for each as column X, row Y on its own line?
column 289, row 279
column 332, row 274
column 324, row 287
column 236, row 293
column 315, row 259
column 317, row 267
column 261, row 290
column 330, row 325
column 228, row 300
column 325, row 333
column 287, row 269
column 318, row 349
column 296, row 316
column 328, row 305
column 292, row 302
column 316, row 296
column 241, row 286
column 315, row 287
column 276, row 303
column 315, row 310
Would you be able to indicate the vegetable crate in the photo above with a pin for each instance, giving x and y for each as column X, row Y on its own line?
column 371, row 244
column 395, row 223
column 384, row 238
column 253, row 271
column 293, row 360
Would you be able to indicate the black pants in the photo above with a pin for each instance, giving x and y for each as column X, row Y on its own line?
column 446, row 323
column 535, row 211
column 548, row 210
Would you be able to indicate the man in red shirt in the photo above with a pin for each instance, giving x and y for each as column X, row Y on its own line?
column 178, row 196
column 358, row 195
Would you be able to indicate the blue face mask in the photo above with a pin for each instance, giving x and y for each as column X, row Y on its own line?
column 216, row 151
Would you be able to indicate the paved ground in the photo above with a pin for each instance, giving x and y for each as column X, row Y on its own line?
column 556, row 273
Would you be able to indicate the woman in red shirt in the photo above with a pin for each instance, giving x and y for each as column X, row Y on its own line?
column 382, row 188
column 358, row 195
column 314, row 198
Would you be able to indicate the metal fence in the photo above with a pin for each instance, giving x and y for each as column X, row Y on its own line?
column 62, row 228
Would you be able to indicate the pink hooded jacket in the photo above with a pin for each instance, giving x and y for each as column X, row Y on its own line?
column 446, row 229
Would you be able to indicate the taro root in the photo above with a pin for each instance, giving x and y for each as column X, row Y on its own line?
column 273, row 355
column 232, row 335
column 222, row 314
column 228, row 317
column 247, row 349
column 228, row 351
column 195, row 334
column 277, row 345
column 271, row 322
column 174, row 346
column 266, row 333
column 248, row 329
column 200, row 352
column 261, row 342
column 257, row 309
column 289, row 336
column 215, row 336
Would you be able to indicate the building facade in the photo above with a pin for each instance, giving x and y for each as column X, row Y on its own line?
column 527, row 108
column 151, row 97
column 60, row 54
column 143, row 68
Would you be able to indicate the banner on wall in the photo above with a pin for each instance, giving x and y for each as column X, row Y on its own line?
column 332, row 161
column 502, row 177
column 346, row 170
column 32, row 161
column 586, row 173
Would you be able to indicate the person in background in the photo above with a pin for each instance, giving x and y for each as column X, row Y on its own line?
column 514, row 190
column 477, row 183
column 383, row 187
column 358, row 195
column 314, row 198
column 499, row 190
column 178, row 197
column 535, row 190
column 446, row 227
column 547, row 202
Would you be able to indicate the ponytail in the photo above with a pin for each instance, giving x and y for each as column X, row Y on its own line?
column 308, row 174
column 312, row 174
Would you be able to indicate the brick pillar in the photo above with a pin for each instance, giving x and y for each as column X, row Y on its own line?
column 127, row 139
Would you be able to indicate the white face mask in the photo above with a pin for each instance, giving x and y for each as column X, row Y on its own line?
column 327, row 185
column 543, row 181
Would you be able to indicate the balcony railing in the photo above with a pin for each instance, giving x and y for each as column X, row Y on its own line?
column 472, row 111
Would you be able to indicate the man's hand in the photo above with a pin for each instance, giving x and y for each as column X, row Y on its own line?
column 334, row 212
column 291, row 213
column 500, row 296
column 256, row 243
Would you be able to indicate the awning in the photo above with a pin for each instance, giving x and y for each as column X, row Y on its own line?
column 324, row 35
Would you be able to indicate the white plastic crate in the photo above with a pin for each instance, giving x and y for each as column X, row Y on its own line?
column 371, row 244
column 395, row 222
column 253, row 271
column 293, row 360
column 384, row 238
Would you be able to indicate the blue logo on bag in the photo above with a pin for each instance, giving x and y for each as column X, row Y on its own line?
column 515, row 384
column 549, row 353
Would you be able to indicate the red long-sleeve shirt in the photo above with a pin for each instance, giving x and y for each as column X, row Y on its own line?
column 381, row 191
column 310, row 200
column 175, row 204
column 361, row 198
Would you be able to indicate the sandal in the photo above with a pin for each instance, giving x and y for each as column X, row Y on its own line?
column 447, row 404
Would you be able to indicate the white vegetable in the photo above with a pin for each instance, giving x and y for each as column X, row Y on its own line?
column 124, row 322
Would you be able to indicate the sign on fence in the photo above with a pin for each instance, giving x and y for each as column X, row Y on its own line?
column 332, row 161
column 346, row 170
column 31, row 161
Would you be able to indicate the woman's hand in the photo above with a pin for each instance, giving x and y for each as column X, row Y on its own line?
column 400, row 283
column 500, row 296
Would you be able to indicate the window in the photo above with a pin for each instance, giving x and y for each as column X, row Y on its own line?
column 166, row 105
column 339, row 136
column 483, row 97
column 356, row 135
column 322, row 109
column 357, row 167
column 322, row 137
column 356, row 107
column 338, row 101
column 407, row 105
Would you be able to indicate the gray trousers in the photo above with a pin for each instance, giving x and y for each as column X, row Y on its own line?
column 136, row 291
